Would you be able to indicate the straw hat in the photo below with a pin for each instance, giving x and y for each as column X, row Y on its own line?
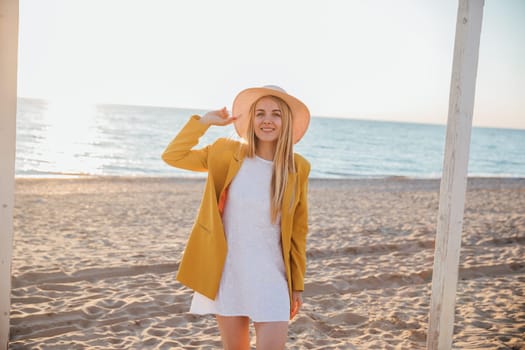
column 245, row 98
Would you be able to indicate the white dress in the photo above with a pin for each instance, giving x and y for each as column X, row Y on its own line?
column 253, row 281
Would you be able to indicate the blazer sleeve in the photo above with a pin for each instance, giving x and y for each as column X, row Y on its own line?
column 299, row 232
column 179, row 152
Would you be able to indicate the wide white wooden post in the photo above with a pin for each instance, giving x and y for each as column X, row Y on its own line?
column 454, row 179
column 8, row 83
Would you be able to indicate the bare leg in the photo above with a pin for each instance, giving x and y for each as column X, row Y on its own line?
column 271, row 335
column 235, row 332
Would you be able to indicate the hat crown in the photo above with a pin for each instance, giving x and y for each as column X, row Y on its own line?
column 276, row 88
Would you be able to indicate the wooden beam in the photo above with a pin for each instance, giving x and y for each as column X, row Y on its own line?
column 454, row 179
column 8, row 96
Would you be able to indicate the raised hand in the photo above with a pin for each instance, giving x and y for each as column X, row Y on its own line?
column 218, row 117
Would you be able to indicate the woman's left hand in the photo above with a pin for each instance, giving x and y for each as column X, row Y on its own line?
column 297, row 302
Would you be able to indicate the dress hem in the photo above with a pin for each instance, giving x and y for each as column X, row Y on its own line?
column 233, row 315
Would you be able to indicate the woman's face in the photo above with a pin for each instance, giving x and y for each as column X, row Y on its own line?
column 267, row 120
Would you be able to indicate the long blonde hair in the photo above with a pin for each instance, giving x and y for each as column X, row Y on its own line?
column 283, row 161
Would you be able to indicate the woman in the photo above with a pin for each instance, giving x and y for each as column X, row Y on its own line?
column 246, row 255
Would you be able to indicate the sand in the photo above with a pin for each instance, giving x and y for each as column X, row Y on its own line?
column 94, row 264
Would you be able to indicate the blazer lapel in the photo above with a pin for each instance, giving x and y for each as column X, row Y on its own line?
column 233, row 169
column 235, row 165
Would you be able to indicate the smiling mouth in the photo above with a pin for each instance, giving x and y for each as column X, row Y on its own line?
column 267, row 129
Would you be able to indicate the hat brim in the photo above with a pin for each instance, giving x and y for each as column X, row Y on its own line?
column 244, row 100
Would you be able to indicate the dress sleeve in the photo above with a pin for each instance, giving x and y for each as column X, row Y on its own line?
column 300, row 230
column 179, row 152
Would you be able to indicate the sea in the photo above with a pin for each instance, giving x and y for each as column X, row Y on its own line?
column 72, row 138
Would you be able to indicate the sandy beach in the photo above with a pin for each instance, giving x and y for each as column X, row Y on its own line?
column 94, row 262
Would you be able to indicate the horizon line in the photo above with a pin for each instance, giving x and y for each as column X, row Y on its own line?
column 369, row 119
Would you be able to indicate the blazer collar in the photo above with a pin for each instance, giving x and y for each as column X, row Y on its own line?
column 235, row 164
column 240, row 153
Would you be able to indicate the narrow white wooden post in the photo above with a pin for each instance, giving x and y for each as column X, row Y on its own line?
column 8, row 95
column 454, row 180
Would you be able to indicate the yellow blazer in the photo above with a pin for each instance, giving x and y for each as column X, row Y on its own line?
column 203, row 259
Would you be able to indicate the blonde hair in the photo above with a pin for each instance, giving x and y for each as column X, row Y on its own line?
column 283, row 161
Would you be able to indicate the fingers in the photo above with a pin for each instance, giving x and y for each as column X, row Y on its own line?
column 297, row 303
column 219, row 117
column 295, row 310
column 226, row 118
column 223, row 112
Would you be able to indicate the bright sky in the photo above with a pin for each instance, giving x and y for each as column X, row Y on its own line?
column 369, row 59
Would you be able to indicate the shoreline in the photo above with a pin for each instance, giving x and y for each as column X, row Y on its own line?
column 388, row 183
column 203, row 177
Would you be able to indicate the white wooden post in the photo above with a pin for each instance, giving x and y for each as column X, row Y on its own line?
column 8, row 96
column 454, row 180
